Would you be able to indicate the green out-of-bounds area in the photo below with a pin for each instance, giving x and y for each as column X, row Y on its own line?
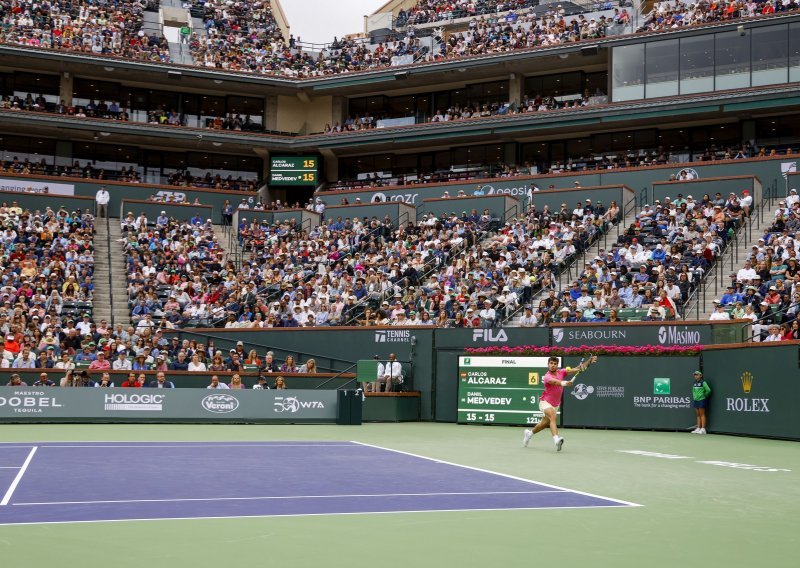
column 706, row 501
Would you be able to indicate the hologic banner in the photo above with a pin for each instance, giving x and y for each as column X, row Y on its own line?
column 32, row 404
column 658, row 333
column 632, row 392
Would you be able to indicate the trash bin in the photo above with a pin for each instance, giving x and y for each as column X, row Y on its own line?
column 356, row 407
column 343, row 407
column 349, row 407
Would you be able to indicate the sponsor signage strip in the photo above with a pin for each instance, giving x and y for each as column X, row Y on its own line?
column 174, row 405
column 633, row 392
column 667, row 335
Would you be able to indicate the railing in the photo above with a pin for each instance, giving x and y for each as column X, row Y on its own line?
column 110, row 280
column 294, row 353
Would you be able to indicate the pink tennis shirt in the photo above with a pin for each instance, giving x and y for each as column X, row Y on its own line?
column 552, row 392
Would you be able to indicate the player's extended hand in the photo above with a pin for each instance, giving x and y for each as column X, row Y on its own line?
column 593, row 359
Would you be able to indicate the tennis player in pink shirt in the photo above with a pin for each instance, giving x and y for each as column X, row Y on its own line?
column 554, row 382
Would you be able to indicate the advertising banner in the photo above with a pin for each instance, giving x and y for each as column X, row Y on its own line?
column 500, row 390
column 38, row 187
column 633, row 392
column 752, row 391
column 659, row 333
column 23, row 404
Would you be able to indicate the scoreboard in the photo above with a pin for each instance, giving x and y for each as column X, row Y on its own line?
column 500, row 390
column 293, row 170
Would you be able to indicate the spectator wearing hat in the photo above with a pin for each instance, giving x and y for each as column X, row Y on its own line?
column 101, row 363
column 719, row 312
column 121, row 363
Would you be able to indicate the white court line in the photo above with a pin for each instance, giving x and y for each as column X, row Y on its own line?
column 9, row 467
column 17, row 479
column 189, row 446
column 628, row 503
column 283, row 497
column 308, row 515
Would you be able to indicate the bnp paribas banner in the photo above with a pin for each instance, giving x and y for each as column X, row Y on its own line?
column 659, row 333
column 652, row 393
column 32, row 404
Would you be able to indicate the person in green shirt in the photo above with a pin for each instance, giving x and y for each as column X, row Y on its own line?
column 700, row 393
column 185, row 33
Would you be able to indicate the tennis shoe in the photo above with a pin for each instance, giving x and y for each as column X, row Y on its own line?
column 526, row 437
column 559, row 444
column 702, row 431
column 696, row 431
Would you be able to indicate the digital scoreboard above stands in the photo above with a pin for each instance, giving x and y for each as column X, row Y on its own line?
column 294, row 170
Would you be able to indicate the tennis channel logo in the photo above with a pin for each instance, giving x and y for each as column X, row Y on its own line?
column 134, row 402
column 393, row 336
column 220, row 403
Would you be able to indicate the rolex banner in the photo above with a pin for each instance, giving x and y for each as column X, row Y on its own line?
column 753, row 393
column 632, row 392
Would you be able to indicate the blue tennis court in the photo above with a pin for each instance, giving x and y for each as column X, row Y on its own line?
column 52, row 482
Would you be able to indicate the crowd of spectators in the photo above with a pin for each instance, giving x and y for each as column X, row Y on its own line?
column 766, row 290
column 107, row 28
column 128, row 174
column 47, row 263
column 241, row 36
column 606, row 161
column 676, row 14
column 177, row 272
column 112, row 110
column 461, row 270
column 427, row 11
column 655, row 265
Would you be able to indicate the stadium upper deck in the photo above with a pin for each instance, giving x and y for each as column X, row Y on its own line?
column 482, row 98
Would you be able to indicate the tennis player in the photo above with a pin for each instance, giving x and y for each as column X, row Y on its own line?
column 554, row 383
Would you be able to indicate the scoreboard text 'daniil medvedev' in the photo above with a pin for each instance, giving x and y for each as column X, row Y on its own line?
column 500, row 390
column 293, row 170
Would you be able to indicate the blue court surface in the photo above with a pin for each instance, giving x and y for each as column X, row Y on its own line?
column 52, row 482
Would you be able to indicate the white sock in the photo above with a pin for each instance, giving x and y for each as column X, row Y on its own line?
column 555, row 439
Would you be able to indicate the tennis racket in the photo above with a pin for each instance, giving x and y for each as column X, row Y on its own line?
column 575, row 376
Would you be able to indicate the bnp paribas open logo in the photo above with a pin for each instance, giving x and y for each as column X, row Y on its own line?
column 661, row 386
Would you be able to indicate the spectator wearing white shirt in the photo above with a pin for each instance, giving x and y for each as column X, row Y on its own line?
column 487, row 314
column 746, row 274
column 196, row 365
column 719, row 312
column 390, row 373
column 102, row 198
column 528, row 319
column 215, row 384
column 122, row 363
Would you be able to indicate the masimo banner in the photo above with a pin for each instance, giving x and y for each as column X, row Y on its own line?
column 165, row 405
column 30, row 186
column 664, row 334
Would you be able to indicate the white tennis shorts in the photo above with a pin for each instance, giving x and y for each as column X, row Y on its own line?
column 544, row 405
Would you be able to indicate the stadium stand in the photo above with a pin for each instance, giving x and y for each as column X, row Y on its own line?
column 114, row 28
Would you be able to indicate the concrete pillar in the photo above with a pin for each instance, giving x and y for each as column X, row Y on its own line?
column 516, row 88
column 271, row 112
column 66, row 87
column 331, row 171
column 338, row 110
